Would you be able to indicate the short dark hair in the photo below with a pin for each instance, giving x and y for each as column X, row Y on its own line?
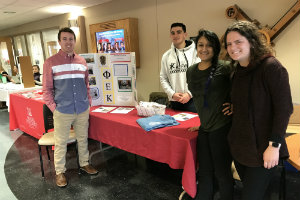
column 213, row 40
column 177, row 24
column 66, row 29
column 36, row 66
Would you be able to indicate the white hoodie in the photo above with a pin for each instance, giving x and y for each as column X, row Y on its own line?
column 174, row 64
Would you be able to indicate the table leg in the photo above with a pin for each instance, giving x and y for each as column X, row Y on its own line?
column 100, row 150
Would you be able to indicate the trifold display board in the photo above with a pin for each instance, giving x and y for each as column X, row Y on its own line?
column 112, row 78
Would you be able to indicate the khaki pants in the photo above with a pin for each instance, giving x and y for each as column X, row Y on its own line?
column 62, row 125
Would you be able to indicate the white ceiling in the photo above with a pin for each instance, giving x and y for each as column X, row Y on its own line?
column 32, row 10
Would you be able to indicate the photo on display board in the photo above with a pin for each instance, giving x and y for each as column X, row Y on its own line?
column 124, row 84
column 92, row 80
column 102, row 60
column 89, row 58
column 94, row 93
column 91, row 71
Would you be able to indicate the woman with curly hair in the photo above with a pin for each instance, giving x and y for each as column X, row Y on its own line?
column 262, row 105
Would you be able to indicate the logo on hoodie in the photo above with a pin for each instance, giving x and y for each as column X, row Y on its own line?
column 176, row 68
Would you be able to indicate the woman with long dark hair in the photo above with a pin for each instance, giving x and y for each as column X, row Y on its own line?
column 209, row 83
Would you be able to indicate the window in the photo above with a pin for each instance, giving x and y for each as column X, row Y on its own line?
column 20, row 45
column 4, row 58
column 35, row 48
column 51, row 45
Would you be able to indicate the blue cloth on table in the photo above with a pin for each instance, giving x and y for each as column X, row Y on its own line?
column 156, row 121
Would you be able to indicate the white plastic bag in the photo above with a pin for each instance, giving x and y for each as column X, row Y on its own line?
column 147, row 109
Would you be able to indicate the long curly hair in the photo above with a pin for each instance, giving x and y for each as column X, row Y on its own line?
column 258, row 43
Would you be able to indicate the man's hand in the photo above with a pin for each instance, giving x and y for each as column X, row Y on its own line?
column 185, row 97
column 177, row 96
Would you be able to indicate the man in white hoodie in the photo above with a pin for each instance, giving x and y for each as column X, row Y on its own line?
column 174, row 65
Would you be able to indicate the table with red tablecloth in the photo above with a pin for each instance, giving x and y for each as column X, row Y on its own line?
column 26, row 113
column 8, row 88
column 172, row 145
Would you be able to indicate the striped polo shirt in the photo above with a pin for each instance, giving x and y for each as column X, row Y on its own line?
column 65, row 83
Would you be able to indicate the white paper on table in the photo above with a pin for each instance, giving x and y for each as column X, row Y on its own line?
column 184, row 116
column 122, row 110
column 27, row 94
column 104, row 109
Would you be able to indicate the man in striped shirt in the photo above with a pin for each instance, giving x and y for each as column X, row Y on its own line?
column 66, row 93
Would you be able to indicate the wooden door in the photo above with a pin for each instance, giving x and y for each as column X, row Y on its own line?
column 6, row 43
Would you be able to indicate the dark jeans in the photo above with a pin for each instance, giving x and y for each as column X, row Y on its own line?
column 214, row 162
column 255, row 180
column 189, row 106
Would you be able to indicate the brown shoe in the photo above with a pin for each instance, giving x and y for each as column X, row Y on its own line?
column 89, row 169
column 61, row 180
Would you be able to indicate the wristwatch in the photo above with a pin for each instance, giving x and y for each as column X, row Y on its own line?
column 274, row 144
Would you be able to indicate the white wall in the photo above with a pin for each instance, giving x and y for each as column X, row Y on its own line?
column 288, row 53
column 156, row 16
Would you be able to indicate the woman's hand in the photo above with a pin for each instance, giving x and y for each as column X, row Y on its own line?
column 228, row 110
column 195, row 128
column 271, row 157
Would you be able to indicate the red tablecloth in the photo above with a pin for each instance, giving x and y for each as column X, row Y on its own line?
column 172, row 145
column 26, row 114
